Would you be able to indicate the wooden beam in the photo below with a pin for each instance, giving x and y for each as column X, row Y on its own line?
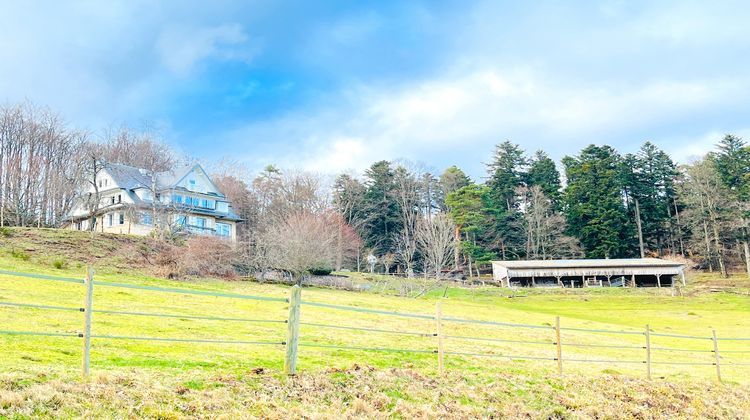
column 439, row 327
column 716, row 356
column 559, row 345
column 87, row 312
column 292, row 339
column 648, row 352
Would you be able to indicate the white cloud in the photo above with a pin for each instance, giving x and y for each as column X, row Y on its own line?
column 462, row 116
column 182, row 48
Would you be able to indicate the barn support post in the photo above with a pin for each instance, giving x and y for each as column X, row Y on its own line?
column 658, row 280
column 632, row 278
column 87, row 312
column 682, row 277
column 559, row 282
column 292, row 339
column 533, row 281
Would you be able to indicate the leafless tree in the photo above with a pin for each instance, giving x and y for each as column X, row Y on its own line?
column 545, row 229
column 300, row 242
column 436, row 241
column 38, row 174
column 408, row 184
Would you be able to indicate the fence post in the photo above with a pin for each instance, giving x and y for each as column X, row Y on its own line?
column 87, row 312
column 439, row 325
column 292, row 338
column 648, row 352
column 559, row 345
column 716, row 355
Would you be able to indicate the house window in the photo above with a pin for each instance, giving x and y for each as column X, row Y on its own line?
column 180, row 220
column 222, row 206
column 112, row 200
column 189, row 201
column 122, row 218
column 200, row 222
column 110, row 219
column 223, row 229
column 192, row 185
column 177, row 198
column 119, row 198
column 147, row 219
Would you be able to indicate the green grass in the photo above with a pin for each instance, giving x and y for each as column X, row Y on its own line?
column 613, row 309
column 195, row 367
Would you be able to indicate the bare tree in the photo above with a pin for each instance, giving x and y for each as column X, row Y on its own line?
column 301, row 242
column 436, row 239
column 38, row 174
column 408, row 197
column 544, row 228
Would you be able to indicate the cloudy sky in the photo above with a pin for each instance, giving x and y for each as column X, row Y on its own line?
column 334, row 86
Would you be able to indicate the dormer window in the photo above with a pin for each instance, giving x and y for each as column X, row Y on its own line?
column 192, row 185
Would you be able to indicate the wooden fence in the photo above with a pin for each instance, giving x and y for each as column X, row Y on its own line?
column 294, row 320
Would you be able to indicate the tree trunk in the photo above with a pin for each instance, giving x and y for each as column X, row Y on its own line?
column 640, row 228
column 457, row 247
column 719, row 250
column 708, row 248
column 746, row 249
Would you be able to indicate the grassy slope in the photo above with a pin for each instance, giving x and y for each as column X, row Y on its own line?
column 167, row 363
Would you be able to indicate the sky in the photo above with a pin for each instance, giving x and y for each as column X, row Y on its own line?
column 335, row 86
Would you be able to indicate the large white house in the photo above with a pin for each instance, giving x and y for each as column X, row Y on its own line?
column 186, row 201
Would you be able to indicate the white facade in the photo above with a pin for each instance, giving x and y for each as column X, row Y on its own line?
column 187, row 201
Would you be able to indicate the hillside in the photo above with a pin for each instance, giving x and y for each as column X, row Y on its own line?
column 350, row 361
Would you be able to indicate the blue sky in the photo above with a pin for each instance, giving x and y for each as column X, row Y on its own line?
column 334, row 86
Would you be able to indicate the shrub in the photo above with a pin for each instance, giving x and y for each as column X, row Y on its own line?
column 5, row 232
column 202, row 256
column 20, row 254
column 60, row 263
column 321, row 271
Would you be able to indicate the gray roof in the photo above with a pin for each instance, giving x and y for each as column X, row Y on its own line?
column 128, row 177
column 607, row 263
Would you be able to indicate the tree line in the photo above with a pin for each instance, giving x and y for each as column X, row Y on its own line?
column 603, row 204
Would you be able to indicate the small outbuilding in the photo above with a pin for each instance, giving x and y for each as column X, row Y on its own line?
column 633, row 272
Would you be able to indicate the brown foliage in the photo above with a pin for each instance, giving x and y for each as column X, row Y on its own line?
column 204, row 256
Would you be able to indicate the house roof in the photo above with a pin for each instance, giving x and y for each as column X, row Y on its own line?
column 601, row 263
column 130, row 177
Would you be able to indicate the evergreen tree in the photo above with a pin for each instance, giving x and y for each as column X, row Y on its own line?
column 382, row 222
column 648, row 179
column 733, row 165
column 594, row 203
column 506, row 174
column 544, row 174
column 469, row 209
column 452, row 179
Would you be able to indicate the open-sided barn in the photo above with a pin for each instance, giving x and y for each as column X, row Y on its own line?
column 582, row 273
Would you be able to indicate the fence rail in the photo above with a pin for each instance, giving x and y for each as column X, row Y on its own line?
column 436, row 331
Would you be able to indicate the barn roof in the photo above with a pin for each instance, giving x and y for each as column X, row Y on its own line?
column 603, row 263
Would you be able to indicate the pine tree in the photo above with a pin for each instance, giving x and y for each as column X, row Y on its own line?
column 648, row 179
column 451, row 180
column 594, row 203
column 382, row 221
column 544, row 174
column 506, row 174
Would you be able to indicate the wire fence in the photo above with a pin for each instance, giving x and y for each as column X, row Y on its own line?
column 708, row 346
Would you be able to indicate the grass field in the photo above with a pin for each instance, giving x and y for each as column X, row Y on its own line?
column 52, row 364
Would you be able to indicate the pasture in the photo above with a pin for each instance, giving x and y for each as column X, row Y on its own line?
column 370, row 356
